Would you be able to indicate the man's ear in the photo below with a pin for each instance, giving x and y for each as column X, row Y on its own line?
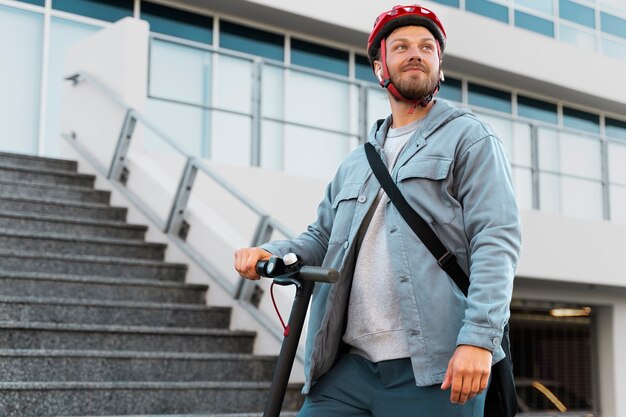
column 378, row 69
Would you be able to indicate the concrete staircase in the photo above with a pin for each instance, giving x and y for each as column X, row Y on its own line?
column 93, row 322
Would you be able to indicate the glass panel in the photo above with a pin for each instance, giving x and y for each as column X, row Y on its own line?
column 543, row 6
column 577, row 37
column 489, row 9
column 549, row 153
column 313, row 153
column 613, row 48
column 252, row 41
column 452, row 3
column 232, row 135
column 272, row 145
column 179, row 72
column 35, row 2
column 178, row 23
column 617, row 162
column 613, row 25
column 320, row 57
column 363, row 69
column 63, row 34
column 577, row 13
column 569, row 154
column 523, row 181
column 234, row 89
column 272, row 92
column 618, row 204
column 490, row 98
column 521, row 150
column 578, row 119
column 377, row 105
column 20, row 73
column 571, row 197
column 536, row 109
column 534, row 23
column 188, row 126
column 110, row 10
column 304, row 94
column 615, row 128
column 451, row 89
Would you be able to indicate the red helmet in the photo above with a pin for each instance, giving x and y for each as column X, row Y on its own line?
column 413, row 15
column 387, row 22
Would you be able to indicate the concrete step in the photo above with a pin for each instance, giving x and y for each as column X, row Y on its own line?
column 57, row 243
column 36, row 284
column 62, row 208
column 31, row 335
column 19, row 160
column 58, row 192
column 137, row 398
column 45, row 176
column 102, row 366
column 70, row 226
column 89, row 311
column 91, row 265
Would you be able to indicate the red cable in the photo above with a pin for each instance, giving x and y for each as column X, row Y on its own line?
column 286, row 333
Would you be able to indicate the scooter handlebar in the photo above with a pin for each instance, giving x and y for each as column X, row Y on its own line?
column 274, row 268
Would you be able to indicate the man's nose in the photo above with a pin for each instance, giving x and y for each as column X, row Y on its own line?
column 414, row 54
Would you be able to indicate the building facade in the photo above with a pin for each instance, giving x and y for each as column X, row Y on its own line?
column 286, row 87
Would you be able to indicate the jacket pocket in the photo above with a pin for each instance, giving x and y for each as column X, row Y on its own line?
column 422, row 182
column 343, row 207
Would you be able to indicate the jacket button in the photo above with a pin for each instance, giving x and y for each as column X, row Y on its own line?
column 362, row 199
column 345, row 245
column 415, row 333
column 495, row 341
column 403, row 279
column 393, row 230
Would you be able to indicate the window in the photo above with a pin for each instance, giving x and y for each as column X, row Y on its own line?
column 489, row 9
column 319, row 57
column 452, row 3
column 582, row 38
column 536, row 109
column 451, row 89
column 35, row 2
column 615, row 128
column 110, row 10
column 613, row 25
column 178, row 23
column 578, row 13
column 490, row 98
column 534, row 23
column 363, row 69
column 614, row 49
column 580, row 120
column 252, row 41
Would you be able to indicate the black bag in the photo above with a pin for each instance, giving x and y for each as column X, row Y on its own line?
column 501, row 399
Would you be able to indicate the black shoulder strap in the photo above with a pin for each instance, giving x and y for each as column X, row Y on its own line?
column 445, row 259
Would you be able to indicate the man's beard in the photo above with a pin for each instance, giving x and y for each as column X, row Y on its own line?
column 415, row 89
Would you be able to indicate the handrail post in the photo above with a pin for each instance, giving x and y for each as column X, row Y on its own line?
column 255, row 139
column 181, row 198
column 116, row 170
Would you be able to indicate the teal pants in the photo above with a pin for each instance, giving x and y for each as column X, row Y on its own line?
column 355, row 387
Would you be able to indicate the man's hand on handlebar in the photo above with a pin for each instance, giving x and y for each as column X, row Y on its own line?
column 246, row 260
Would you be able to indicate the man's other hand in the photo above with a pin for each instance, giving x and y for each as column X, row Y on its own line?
column 246, row 260
column 468, row 373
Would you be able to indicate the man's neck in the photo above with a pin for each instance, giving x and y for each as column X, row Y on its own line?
column 402, row 114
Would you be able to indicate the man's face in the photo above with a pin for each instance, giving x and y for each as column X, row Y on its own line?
column 413, row 61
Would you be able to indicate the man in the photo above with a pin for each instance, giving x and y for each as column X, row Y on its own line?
column 395, row 337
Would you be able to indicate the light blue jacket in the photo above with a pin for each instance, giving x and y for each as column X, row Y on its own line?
column 455, row 174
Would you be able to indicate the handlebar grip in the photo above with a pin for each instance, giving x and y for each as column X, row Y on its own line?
column 318, row 274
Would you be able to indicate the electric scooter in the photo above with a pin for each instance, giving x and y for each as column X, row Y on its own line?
column 290, row 271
